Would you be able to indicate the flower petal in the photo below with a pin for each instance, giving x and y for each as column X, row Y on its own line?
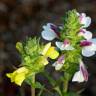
column 87, row 22
column 42, row 60
column 57, row 65
column 85, row 43
column 92, row 47
column 18, row 75
column 52, row 53
column 22, row 69
column 93, row 40
column 54, row 64
column 78, row 77
column 47, row 46
column 83, row 70
column 19, row 78
column 60, row 45
column 87, row 53
column 49, row 35
column 61, row 59
column 86, row 34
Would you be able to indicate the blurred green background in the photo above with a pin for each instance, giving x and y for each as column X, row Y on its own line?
column 21, row 18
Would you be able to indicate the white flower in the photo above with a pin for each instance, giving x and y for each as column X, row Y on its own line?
column 89, row 47
column 64, row 45
column 81, row 75
column 59, row 63
column 85, row 20
column 50, row 32
column 86, row 34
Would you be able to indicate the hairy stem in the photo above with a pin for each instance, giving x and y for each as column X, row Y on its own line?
column 33, row 89
column 65, row 83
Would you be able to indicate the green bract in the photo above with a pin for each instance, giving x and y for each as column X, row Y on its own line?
column 71, row 25
column 31, row 56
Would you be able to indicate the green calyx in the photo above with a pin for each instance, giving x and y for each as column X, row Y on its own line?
column 30, row 51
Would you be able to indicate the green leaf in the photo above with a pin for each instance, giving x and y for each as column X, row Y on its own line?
column 37, row 85
column 51, row 80
column 58, row 90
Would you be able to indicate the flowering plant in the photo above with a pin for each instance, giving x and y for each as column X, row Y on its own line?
column 73, row 41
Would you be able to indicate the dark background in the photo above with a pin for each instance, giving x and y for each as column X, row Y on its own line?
column 21, row 18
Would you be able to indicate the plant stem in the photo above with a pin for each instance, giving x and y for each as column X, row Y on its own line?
column 40, row 93
column 58, row 90
column 22, row 91
column 66, row 82
column 65, row 86
column 33, row 89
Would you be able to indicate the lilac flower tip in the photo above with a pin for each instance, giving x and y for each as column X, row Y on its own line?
column 85, row 43
column 55, row 29
column 82, row 31
column 66, row 42
column 60, row 59
column 85, row 73
column 80, row 18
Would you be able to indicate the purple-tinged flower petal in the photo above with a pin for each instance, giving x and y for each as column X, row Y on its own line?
column 78, row 77
column 90, row 50
column 81, row 75
column 59, row 63
column 85, row 20
column 63, row 46
column 83, row 70
column 61, row 59
column 66, row 42
column 50, row 32
column 86, row 34
column 55, row 29
column 85, row 43
column 89, row 47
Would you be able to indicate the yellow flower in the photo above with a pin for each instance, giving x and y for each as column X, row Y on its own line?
column 18, row 76
column 43, row 60
column 50, row 51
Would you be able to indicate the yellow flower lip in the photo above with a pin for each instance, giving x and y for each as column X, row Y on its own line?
column 18, row 75
column 50, row 51
column 47, row 46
